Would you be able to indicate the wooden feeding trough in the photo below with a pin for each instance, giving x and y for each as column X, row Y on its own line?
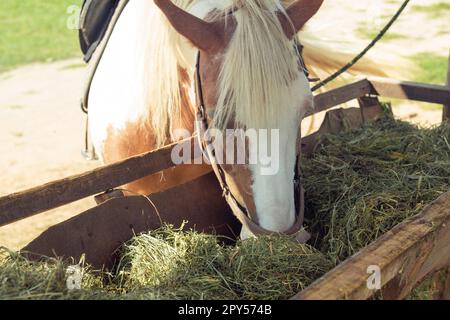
column 406, row 255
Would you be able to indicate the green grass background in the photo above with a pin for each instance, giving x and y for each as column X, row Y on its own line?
column 435, row 10
column 35, row 31
column 431, row 68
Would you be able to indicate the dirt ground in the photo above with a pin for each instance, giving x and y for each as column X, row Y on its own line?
column 42, row 127
column 41, row 136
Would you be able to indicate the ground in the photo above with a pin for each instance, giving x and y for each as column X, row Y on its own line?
column 42, row 127
column 41, row 135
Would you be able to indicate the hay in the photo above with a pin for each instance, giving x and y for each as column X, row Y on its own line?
column 176, row 264
column 190, row 265
column 21, row 279
column 358, row 185
column 361, row 184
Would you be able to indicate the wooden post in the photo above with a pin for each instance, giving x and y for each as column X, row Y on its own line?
column 446, row 111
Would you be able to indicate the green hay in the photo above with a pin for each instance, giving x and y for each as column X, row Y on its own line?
column 358, row 185
column 21, row 279
column 189, row 265
column 361, row 184
column 425, row 291
column 175, row 264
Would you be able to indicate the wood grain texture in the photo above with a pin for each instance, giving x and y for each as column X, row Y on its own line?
column 335, row 97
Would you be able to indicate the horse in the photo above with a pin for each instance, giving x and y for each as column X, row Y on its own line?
column 144, row 91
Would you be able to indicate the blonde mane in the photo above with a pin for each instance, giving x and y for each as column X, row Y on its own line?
column 162, row 76
column 259, row 67
column 256, row 72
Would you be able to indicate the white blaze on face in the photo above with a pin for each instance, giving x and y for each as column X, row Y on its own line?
column 274, row 193
column 273, row 175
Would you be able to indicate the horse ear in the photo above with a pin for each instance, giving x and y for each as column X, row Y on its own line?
column 206, row 36
column 288, row 26
column 299, row 13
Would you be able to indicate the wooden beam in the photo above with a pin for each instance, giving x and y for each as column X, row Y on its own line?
column 410, row 90
column 407, row 254
column 335, row 97
column 24, row 204
column 446, row 110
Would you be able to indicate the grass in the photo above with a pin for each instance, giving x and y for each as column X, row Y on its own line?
column 431, row 68
column 435, row 10
column 428, row 67
column 368, row 32
column 358, row 185
column 35, row 31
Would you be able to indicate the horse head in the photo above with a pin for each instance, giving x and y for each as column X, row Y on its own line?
column 255, row 92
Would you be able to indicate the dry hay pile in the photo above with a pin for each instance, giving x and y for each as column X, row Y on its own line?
column 361, row 184
column 176, row 264
column 358, row 185
column 191, row 265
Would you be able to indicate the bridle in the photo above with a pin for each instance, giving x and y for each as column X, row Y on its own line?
column 240, row 212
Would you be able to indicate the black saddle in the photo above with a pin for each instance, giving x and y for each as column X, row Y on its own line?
column 94, row 20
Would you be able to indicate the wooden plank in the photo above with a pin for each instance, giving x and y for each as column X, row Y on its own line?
column 368, row 101
column 410, row 90
column 335, row 97
column 24, row 204
column 446, row 110
column 98, row 232
column 407, row 253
